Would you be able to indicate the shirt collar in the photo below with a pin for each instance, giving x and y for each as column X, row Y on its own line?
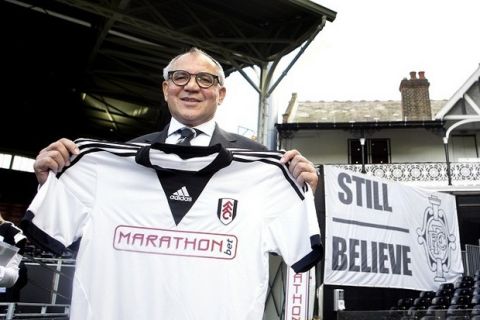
column 206, row 128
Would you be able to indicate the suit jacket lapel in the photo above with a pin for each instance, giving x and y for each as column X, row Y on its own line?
column 222, row 137
column 219, row 136
column 161, row 136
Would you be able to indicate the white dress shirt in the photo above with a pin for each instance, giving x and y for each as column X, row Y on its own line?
column 202, row 139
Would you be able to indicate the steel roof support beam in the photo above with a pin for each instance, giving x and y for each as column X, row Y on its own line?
column 150, row 28
column 104, row 32
column 267, row 115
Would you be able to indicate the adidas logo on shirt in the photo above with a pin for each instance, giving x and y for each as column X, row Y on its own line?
column 181, row 195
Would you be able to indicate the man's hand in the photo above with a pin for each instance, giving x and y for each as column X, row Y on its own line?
column 302, row 169
column 54, row 157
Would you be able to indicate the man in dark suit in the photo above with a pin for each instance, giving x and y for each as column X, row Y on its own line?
column 225, row 138
column 193, row 89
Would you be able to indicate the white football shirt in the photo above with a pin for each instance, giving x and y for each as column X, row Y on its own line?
column 174, row 232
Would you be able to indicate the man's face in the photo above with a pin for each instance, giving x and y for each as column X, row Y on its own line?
column 191, row 104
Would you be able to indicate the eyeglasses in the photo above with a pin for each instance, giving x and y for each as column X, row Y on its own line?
column 204, row 79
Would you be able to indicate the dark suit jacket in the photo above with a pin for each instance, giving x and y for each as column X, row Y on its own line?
column 226, row 139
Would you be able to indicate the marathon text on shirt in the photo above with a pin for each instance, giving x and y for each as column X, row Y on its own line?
column 177, row 243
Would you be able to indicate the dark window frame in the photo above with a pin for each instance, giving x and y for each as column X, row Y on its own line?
column 354, row 156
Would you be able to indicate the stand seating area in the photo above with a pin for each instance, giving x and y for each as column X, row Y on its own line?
column 452, row 301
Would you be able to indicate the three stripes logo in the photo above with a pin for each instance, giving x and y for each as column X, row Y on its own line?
column 227, row 210
column 181, row 195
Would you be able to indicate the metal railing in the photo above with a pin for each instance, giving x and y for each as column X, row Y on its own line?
column 432, row 174
column 21, row 310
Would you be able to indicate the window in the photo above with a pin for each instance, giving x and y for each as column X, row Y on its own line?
column 22, row 163
column 375, row 151
column 379, row 151
column 356, row 152
column 19, row 163
column 463, row 147
column 5, row 160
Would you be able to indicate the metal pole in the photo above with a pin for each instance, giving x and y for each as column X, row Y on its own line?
column 449, row 176
column 263, row 106
column 10, row 311
column 362, row 148
column 56, row 281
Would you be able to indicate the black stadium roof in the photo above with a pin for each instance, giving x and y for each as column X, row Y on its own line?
column 69, row 66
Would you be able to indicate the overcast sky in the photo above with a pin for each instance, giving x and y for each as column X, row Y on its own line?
column 365, row 53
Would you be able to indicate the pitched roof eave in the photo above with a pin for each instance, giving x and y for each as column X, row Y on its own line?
column 459, row 94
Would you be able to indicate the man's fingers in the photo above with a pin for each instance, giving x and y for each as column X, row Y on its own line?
column 289, row 155
column 302, row 170
column 49, row 160
column 54, row 157
column 63, row 147
column 42, row 166
column 69, row 145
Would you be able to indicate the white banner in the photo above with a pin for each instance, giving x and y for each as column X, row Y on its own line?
column 299, row 295
column 380, row 233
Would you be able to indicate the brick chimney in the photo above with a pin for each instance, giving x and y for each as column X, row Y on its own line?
column 415, row 97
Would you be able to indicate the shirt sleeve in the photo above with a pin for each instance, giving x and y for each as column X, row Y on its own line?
column 58, row 213
column 9, row 273
column 293, row 230
column 19, row 239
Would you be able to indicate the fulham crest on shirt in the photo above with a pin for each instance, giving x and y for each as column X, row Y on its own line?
column 174, row 232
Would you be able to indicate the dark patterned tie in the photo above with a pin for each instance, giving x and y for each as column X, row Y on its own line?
column 186, row 135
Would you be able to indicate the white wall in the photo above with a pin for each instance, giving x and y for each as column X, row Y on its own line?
column 320, row 147
column 331, row 146
column 415, row 145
